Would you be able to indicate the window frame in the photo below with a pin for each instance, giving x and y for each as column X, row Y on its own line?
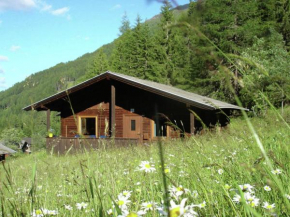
column 80, row 124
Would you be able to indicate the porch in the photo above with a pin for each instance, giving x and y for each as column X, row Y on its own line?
column 62, row 145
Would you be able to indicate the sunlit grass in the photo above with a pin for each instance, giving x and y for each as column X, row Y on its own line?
column 203, row 175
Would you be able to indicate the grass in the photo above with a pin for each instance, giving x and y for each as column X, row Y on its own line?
column 209, row 167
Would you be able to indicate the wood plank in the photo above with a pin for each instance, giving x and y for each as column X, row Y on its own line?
column 113, row 112
column 48, row 119
column 192, row 127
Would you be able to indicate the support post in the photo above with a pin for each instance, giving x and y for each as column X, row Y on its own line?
column 48, row 119
column 113, row 113
column 192, row 128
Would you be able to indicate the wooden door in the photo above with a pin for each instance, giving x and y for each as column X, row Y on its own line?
column 132, row 126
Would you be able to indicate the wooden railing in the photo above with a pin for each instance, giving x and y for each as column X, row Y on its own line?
column 63, row 145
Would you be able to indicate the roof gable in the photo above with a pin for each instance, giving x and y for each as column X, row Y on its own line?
column 6, row 150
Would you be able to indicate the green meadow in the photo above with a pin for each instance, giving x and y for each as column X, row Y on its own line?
column 236, row 171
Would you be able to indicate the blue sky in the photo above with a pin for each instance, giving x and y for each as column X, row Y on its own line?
column 38, row 34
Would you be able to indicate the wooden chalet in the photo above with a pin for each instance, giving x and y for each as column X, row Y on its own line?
column 128, row 109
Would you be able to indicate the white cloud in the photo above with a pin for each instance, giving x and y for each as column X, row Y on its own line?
column 60, row 11
column 3, row 58
column 2, row 82
column 17, row 4
column 117, row 6
column 14, row 48
column 46, row 7
column 2, row 71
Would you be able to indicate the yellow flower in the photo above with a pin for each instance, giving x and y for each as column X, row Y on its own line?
column 167, row 170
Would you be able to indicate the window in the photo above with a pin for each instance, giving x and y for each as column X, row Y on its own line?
column 133, row 125
column 88, row 126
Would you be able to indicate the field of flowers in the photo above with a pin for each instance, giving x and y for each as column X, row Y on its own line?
column 222, row 173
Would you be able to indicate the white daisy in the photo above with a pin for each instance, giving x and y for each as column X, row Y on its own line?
column 126, row 193
column 268, row 206
column 146, row 166
column 246, row 187
column 148, row 205
column 237, row 198
column 122, row 202
column 255, row 202
column 68, row 207
column 177, row 191
column 276, row 171
column 267, row 188
column 81, row 205
column 181, row 210
column 220, row 171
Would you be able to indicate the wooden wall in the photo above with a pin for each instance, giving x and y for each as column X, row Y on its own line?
column 69, row 124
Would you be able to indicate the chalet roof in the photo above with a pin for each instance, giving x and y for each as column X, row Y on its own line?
column 6, row 150
column 161, row 89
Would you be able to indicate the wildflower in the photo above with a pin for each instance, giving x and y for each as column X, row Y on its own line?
column 276, row 171
column 194, row 194
column 202, row 205
column 220, row 171
column 148, row 206
column 110, row 212
column 246, row 187
column 122, row 202
column 68, row 207
column 126, row 193
column 52, row 212
column 177, row 191
column 249, row 196
column 268, row 206
column 166, row 170
column 81, row 205
column 287, row 196
column 267, row 188
column 43, row 212
column 181, row 210
column 255, row 202
column 227, row 187
column 237, row 198
column 126, row 213
column 146, row 166
column 37, row 213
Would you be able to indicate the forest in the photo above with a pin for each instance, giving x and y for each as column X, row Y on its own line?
column 233, row 50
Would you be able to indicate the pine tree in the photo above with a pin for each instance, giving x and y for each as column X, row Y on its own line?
column 121, row 60
column 164, row 38
column 125, row 24
column 99, row 65
column 283, row 20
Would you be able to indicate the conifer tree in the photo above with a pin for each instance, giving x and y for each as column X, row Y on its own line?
column 164, row 39
column 99, row 65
